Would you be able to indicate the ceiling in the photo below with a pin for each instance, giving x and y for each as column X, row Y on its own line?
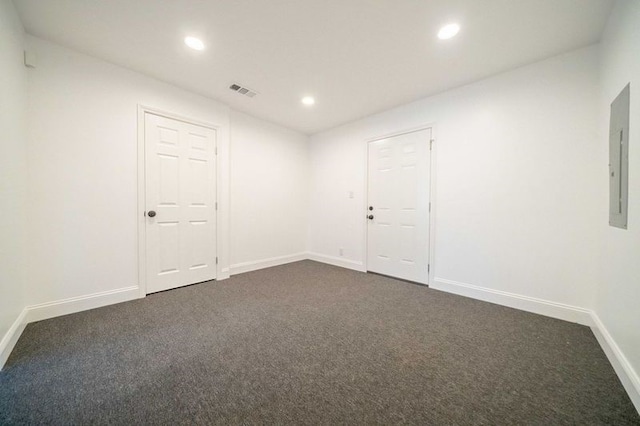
column 356, row 57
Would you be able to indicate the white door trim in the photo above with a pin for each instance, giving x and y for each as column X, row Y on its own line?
column 433, row 197
column 142, row 254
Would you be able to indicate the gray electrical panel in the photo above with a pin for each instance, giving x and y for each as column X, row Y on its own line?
column 619, row 159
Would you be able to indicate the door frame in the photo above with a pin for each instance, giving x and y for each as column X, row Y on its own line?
column 142, row 207
column 432, row 194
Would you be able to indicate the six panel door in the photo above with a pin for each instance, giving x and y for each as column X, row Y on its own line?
column 398, row 210
column 180, row 180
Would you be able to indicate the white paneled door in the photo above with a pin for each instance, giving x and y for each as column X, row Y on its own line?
column 180, row 197
column 398, row 206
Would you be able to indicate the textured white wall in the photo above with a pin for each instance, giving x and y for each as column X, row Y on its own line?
column 83, row 169
column 13, row 167
column 269, row 190
column 618, row 297
column 517, row 198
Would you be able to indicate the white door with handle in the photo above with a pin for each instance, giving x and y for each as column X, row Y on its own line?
column 398, row 206
column 180, row 200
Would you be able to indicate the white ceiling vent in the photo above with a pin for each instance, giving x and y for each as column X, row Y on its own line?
column 243, row 90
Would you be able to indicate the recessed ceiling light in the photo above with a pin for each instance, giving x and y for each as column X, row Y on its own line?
column 308, row 100
column 194, row 43
column 448, row 31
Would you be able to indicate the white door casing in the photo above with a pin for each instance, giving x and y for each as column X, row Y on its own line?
column 180, row 187
column 399, row 192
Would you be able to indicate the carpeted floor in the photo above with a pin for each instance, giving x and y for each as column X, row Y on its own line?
column 309, row 343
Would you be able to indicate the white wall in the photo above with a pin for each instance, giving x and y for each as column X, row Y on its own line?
column 517, row 201
column 83, row 169
column 83, row 163
column 269, row 192
column 13, row 170
column 618, row 297
column 520, row 202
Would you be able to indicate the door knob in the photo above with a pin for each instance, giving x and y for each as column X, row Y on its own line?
column 370, row 207
column 370, row 217
column 151, row 213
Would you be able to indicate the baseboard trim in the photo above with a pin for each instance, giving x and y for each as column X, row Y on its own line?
column 512, row 300
column 225, row 273
column 336, row 261
column 72, row 305
column 243, row 267
column 623, row 368
column 11, row 337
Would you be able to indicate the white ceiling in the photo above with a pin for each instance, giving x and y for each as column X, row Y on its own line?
column 356, row 57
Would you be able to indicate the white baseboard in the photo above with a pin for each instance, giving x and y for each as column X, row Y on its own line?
column 512, row 300
column 623, row 368
column 61, row 307
column 10, row 339
column 225, row 273
column 242, row 267
column 625, row 371
column 81, row 303
column 336, row 261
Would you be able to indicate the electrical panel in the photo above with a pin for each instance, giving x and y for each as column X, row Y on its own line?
column 619, row 159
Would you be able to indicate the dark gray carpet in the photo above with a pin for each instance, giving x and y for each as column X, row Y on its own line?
column 309, row 343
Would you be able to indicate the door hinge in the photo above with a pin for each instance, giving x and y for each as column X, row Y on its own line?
column 216, row 260
column 216, row 205
column 428, row 268
column 431, row 144
column 216, row 150
column 429, row 206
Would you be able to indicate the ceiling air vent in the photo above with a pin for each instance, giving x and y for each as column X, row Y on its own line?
column 243, row 90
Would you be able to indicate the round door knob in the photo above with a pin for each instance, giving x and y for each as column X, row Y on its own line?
column 151, row 213
column 370, row 207
column 370, row 217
